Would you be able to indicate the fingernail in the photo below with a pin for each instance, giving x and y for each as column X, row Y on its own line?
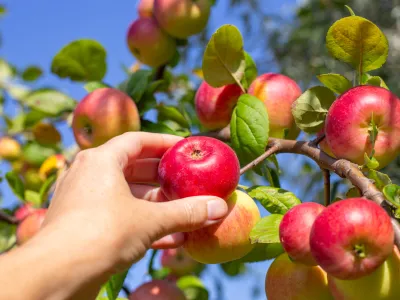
column 216, row 209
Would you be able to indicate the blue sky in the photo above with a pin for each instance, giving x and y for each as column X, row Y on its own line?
column 34, row 31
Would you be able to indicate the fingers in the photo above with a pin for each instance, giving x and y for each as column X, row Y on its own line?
column 147, row 192
column 142, row 171
column 131, row 146
column 174, row 240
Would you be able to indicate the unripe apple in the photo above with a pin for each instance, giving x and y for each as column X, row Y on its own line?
column 10, row 149
column 287, row 280
column 182, row 18
column 46, row 134
column 157, row 290
column 294, row 231
column 102, row 115
column 229, row 239
column 51, row 165
column 214, row 106
column 145, row 8
column 351, row 238
column 382, row 284
column 178, row 261
column 24, row 211
column 278, row 92
column 149, row 44
column 349, row 123
column 198, row 166
column 32, row 179
column 30, row 225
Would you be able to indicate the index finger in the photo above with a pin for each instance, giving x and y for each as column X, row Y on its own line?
column 131, row 146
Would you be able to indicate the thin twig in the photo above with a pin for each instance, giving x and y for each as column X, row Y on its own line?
column 327, row 187
column 7, row 218
column 271, row 150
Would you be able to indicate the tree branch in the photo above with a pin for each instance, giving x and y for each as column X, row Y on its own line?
column 271, row 149
column 7, row 218
column 327, row 187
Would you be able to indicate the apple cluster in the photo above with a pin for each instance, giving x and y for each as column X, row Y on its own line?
column 154, row 36
column 333, row 249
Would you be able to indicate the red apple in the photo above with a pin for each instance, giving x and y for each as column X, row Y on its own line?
column 24, row 211
column 294, row 231
column 102, row 115
column 145, row 8
column 214, row 106
column 149, row 44
column 198, row 166
column 278, row 92
column 382, row 284
column 178, row 262
column 30, row 225
column 10, row 149
column 182, row 18
column 287, row 280
column 351, row 238
column 349, row 122
column 228, row 240
column 157, row 290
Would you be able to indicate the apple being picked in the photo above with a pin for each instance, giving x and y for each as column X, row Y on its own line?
column 157, row 290
column 214, row 106
column 30, row 225
column 102, row 115
column 350, row 120
column 287, row 280
column 294, row 231
column 178, row 261
column 198, row 166
column 149, row 44
column 182, row 18
column 278, row 92
column 351, row 238
column 145, row 8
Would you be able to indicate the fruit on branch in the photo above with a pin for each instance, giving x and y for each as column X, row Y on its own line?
column 198, row 166
column 145, row 8
column 323, row 145
column 157, row 290
column 30, row 226
column 10, row 149
column 287, row 280
column 178, row 261
column 382, row 284
column 278, row 92
column 24, row 211
column 351, row 238
column 182, row 18
column 53, row 164
column 228, row 240
column 149, row 44
column 350, row 119
column 46, row 134
column 294, row 231
column 32, row 179
column 214, row 106
column 102, row 115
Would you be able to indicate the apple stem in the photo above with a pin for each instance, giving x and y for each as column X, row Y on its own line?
column 359, row 250
column 150, row 268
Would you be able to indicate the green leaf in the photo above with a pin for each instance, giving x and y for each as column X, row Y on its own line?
column 33, row 117
column 6, row 70
column 166, row 112
column 193, row 288
column 350, row 10
column 17, row 92
column 380, row 179
column 35, row 153
column 50, row 101
column 81, row 60
column 392, row 194
column 233, row 268
column 114, row 285
column 94, row 85
column 250, row 72
column 16, row 124
column 249, row 128
column 262, row 252
column 7, row 236
column 33, row 198
column 274, row 200
column 266, row 230
column 224, row 60
column 46, row 186
column 358, row 42
column 353, row 193
column 310, row 109
column 3, row 10
column 148, row 126
column 16, row 184
column 375, row 81
column 335, row 82
column 138, row 83
column 31, row 73
column 370, row 163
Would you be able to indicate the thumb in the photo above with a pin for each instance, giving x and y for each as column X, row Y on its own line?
column 191, row 213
